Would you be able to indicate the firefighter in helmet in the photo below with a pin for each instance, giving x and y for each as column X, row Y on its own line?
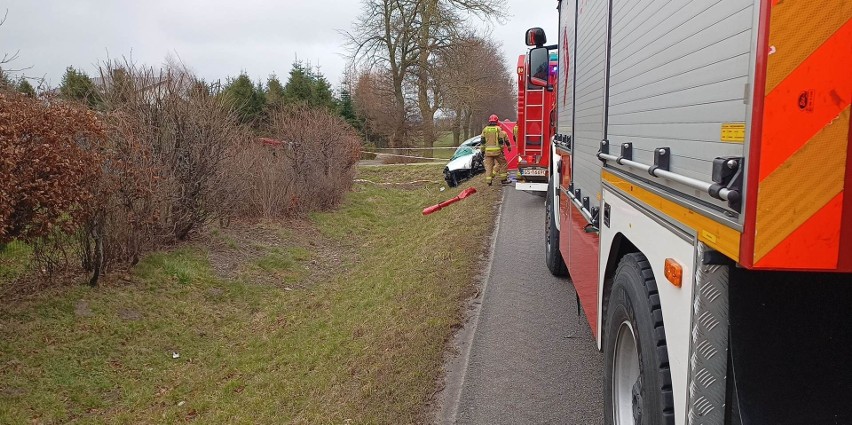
column 493, row 139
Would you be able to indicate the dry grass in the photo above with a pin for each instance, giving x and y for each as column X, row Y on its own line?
column 340, row 319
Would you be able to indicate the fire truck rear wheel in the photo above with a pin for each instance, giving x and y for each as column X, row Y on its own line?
column 555, row 263
column 637, row 379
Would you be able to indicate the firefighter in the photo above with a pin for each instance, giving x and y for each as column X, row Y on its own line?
column 493, row 139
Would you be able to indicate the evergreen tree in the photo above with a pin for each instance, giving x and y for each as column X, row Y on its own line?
column 309, row 87
column 298, row 88
column 26, row 88
column 76, row 85
column 5, row 82
column 322, row 95
column 246, row 98
column 275, row 94
column 346, row 109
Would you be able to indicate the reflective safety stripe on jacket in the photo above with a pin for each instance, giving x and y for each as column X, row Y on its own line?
column 492, row 137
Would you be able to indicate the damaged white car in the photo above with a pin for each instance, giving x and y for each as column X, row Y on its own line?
column 466, row 162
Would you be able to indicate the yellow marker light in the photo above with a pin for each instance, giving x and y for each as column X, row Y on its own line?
column 520, row 70
column 674, row 272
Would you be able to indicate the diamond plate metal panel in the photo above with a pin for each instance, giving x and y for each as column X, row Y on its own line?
column 708, row 360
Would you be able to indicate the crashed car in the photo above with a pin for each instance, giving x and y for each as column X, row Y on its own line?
column 466, row 162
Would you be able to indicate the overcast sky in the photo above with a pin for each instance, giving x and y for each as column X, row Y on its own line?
column 215, row 38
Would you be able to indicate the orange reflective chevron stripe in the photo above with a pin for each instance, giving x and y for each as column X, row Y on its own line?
column 804, row 138
column 811, row 96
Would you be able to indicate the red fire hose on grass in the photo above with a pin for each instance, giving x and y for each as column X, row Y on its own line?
column 464, row 194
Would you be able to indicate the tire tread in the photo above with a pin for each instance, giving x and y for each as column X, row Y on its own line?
column 659, row 333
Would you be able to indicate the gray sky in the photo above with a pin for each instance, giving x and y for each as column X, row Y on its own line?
column 215, row 38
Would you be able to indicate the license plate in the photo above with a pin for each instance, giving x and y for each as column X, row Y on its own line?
column 533, row 172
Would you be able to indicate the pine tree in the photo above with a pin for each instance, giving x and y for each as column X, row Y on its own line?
column 246, row 98
column 322, row 95
column 5, row 82
column 76, row 85
column 26, row 88
column 275, row 94
column 298, row 88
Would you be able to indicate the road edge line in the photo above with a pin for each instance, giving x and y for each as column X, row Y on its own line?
column 449, row 414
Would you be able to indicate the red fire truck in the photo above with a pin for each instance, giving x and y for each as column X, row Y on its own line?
column 536, row 127
column 697, row 200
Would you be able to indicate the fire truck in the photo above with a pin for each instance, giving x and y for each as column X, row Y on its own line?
column 697, row 201
column 535, row 128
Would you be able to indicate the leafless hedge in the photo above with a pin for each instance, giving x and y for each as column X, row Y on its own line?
column 309, row 166
column 161, row 160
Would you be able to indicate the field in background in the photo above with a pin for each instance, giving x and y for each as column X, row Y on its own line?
column 406, row 156
column 343, row 317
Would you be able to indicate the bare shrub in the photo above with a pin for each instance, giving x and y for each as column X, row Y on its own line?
column 257, row 179
column 172, row 128
column 310, row 170
column 167, row 142
column 323, row 150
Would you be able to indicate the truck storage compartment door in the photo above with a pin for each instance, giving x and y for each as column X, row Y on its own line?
column 678, row 79
column 590, row 62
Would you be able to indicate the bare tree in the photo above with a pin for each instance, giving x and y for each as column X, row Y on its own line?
column 441, row 28
column 475, row 83
column 7, row 57
column 405, row 36
column 386, row 117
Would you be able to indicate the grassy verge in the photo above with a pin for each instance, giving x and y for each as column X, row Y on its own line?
column 341, row 319
column 13, row 261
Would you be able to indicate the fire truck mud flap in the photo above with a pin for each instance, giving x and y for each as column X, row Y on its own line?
column 790, row 345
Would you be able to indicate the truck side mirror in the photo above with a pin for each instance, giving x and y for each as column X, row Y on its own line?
column 539, row 66
column 536, row 37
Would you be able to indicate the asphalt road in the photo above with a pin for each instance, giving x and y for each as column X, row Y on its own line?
column 524, row 356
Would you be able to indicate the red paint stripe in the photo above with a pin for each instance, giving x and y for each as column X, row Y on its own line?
column 812, row 246
column 845, row 263
column 824, row 78
column 755, row 146
column 583, row 259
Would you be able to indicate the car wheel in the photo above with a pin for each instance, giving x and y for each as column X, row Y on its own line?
column 451, row 178
column 637, row 379
column 477, row 166
column 555, row 263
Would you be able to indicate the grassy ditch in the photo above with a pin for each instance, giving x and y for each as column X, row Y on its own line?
column 340, row 319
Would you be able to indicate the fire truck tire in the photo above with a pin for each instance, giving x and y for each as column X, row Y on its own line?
column 555, row 263
column 637, row 379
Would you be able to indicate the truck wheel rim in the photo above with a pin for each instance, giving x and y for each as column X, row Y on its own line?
column 625, row 375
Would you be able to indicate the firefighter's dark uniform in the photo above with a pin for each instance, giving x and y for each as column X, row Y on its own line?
column 493, row 139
